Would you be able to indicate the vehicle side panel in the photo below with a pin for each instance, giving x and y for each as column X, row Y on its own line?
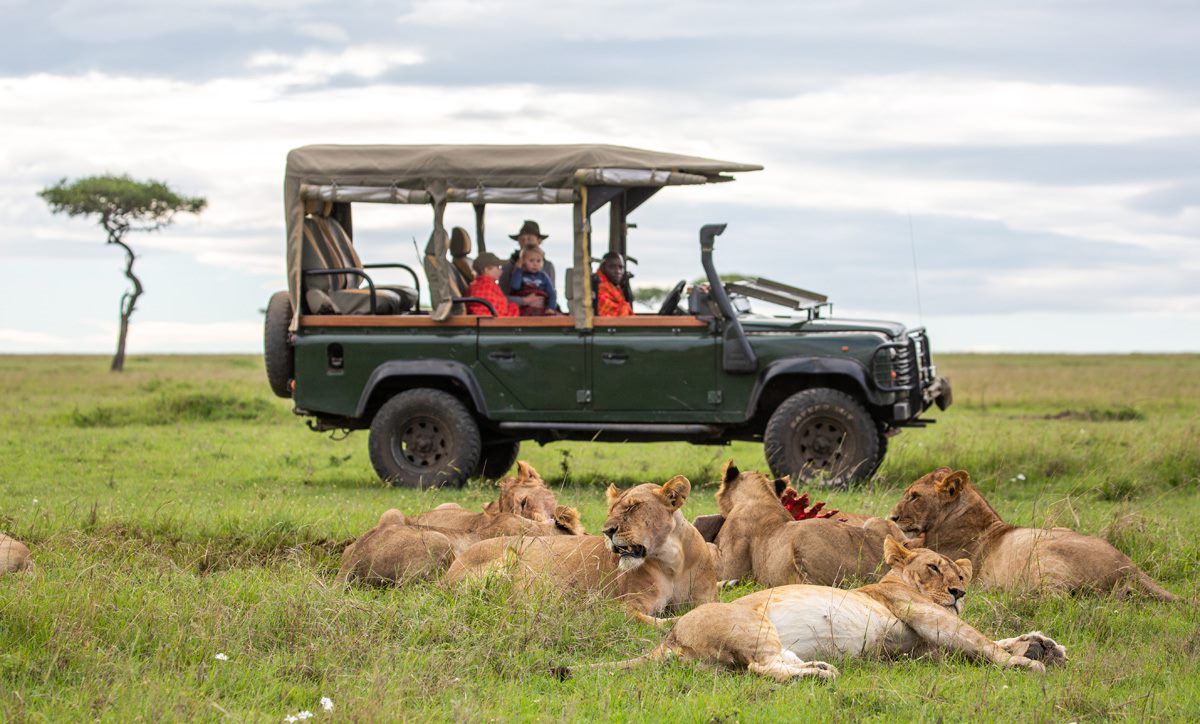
column 323, row 388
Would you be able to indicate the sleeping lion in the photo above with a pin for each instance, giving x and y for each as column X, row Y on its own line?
column 956, row 520
column 782, row 632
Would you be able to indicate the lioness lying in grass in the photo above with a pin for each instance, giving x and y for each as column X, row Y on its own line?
column 524, row 494
column 14, row 556
column 759, row 537
column 650, row 556
column 396, row 551
column 914, row 609
column 956, row 520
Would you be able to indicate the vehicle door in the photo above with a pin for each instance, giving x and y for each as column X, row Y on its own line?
column 654, row 368
column 539, row 363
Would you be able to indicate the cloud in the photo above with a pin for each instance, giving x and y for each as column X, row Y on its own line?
column 317, row 66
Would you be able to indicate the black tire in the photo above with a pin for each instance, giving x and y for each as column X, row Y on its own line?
column 424, row 438
column 496, row 459
column 822, row 435
column 277, row 347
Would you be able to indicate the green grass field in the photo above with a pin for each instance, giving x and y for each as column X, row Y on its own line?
column 178, row 511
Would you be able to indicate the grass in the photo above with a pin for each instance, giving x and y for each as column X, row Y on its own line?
column 178, row 510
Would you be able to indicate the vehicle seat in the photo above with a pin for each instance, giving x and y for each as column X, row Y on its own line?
column 460, row 263
column 328, row 246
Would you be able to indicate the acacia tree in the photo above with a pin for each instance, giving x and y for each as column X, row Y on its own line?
column 123, row 205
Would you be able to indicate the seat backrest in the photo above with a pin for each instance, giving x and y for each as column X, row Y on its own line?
column 328, row 246
column 460, row 248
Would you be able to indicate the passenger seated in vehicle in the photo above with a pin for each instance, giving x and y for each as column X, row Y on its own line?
column 611, row 294
column 530, row 233
column 487, row 271
column 531, row 287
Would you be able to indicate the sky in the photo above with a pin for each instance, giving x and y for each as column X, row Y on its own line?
column 1019, row 176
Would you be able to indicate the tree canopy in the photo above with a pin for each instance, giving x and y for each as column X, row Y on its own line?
column 122, row 203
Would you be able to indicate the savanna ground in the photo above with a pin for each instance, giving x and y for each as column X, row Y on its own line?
column 178, row 511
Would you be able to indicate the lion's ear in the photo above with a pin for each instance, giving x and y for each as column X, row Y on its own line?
column 780, row 486
column 568, row 519
column 730, row 472
column 525, row 471
column 894, row 552
column 392, row 517
column 612, row 493
column 952, row 484
column 967, row 569
column 676, row 490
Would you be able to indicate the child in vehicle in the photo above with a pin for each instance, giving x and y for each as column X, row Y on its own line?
column 531, row 287
column 487, row 271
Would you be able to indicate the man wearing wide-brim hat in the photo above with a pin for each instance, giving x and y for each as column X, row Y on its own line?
column 529, row 235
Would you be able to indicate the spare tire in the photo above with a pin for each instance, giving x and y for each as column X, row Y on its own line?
column 277, row 346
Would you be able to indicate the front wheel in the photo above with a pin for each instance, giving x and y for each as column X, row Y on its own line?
column 822, row 435
column 424, row 438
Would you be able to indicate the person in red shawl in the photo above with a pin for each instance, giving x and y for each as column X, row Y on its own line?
column 487, row 271
column 613, row 297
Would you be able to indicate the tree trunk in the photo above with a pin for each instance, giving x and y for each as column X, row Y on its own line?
column 128, row 303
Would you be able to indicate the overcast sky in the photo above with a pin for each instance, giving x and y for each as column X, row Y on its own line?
column 1015, row 176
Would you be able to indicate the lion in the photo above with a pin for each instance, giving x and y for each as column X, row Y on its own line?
column 956, row 520
column 523, row 494
column 397, row 551
column 650, row 557
column 913, row 610
column 14, row 556
column 710, row 525
column 760, row 539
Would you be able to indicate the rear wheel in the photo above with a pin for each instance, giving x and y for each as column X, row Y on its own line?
column 424, row 438
column 496, row 459
column 277, row 347
column 822, row 435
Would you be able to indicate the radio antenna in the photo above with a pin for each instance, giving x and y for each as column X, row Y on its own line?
column 912, row 241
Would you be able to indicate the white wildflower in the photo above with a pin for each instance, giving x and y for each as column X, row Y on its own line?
column 306, row 714
column 35, row 501
column 1020, row 476
column 290, row 718
column 221, row 657
column 326, row 703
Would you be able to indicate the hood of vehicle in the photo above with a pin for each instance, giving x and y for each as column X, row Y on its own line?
column 753, row 323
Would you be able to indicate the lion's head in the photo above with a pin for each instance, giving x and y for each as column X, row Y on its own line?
column 525, row 494
column 641, row 518
column 927, row 501
column 737, row 487
column 933, row 575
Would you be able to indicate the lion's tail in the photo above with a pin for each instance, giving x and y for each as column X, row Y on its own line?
column 664, row 652
column 1148, row 586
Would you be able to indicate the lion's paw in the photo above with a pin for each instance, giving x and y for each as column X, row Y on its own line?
column 1037, row 646
column 1021, row 662
column 722, row 585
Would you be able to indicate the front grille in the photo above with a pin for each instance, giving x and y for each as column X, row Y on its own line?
column 904, row 366
column 922, row 357
column 894, row 369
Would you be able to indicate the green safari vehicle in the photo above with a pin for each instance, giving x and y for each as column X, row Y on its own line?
column 447, row 395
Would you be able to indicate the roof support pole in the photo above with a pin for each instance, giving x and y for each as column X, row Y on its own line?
column 618, row 232
column 581, row 304
column 479, row 240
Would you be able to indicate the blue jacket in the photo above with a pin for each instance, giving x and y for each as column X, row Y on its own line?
column 541, row 280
